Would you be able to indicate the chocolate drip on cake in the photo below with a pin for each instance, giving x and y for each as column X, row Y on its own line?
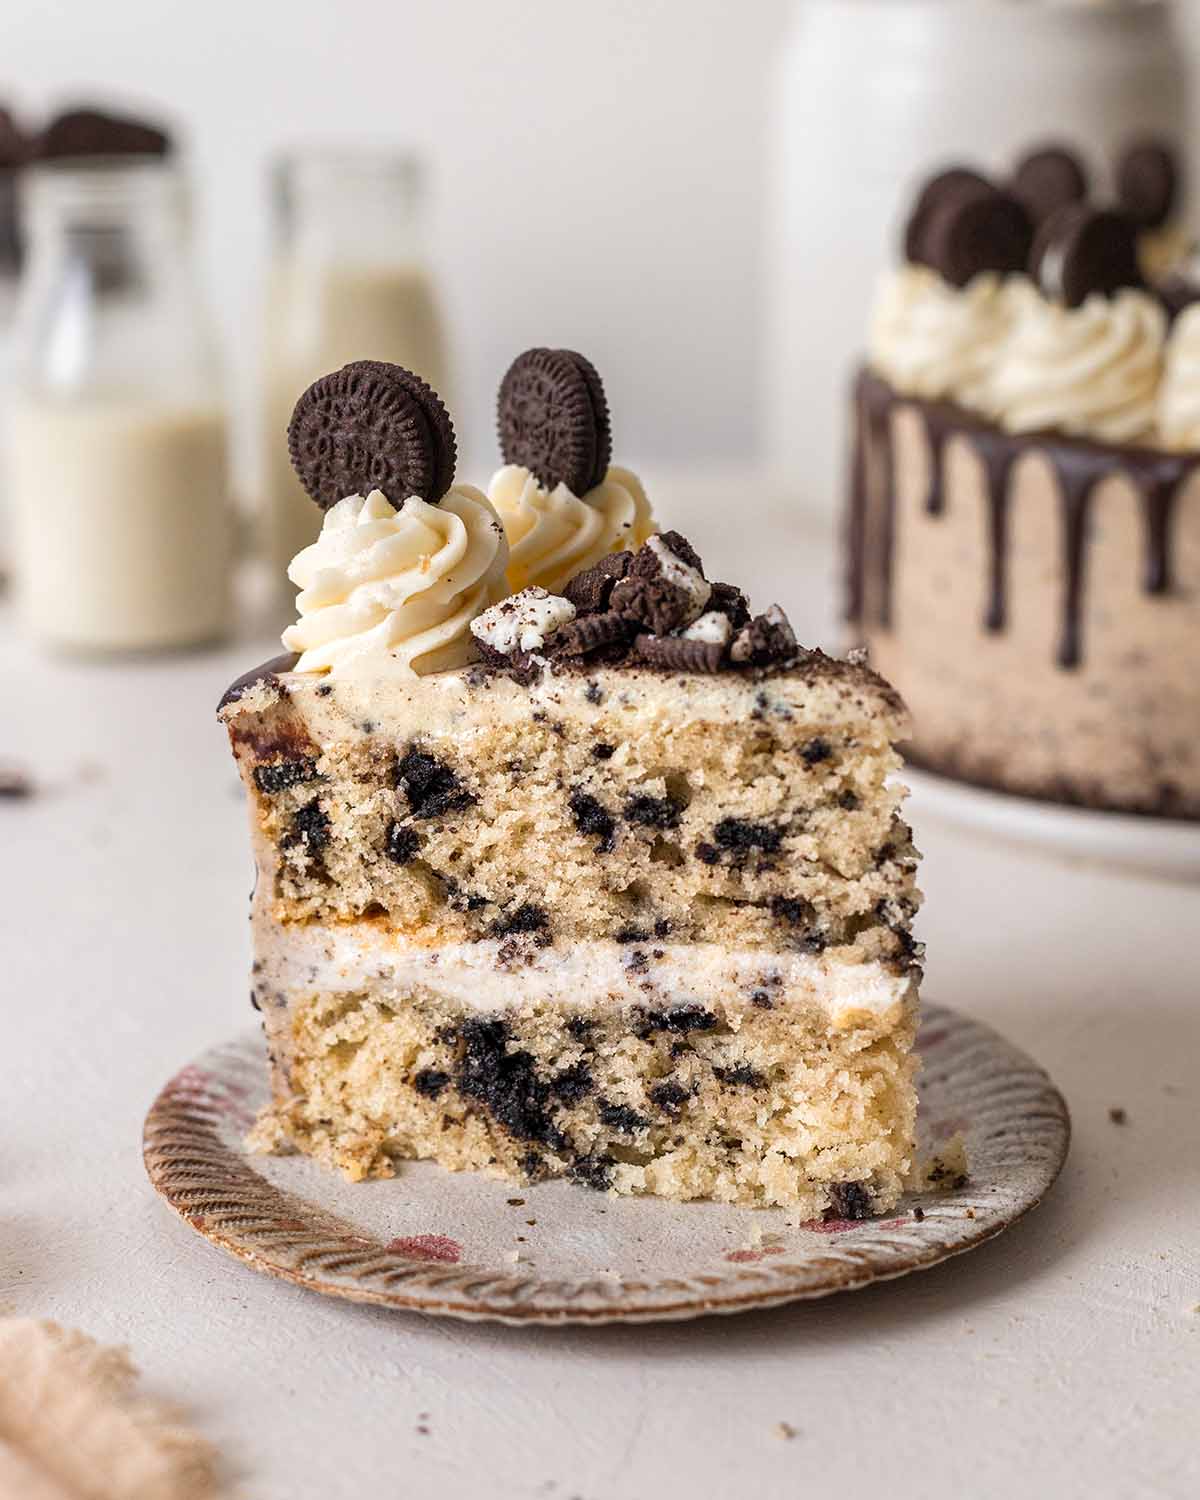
column 873, row 443
column 1076, row 483
column 1079, row 465
column 997, row 455
column 939, row 424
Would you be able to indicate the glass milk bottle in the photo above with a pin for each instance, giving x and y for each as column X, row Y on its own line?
column 348, row 282
column 117, row 432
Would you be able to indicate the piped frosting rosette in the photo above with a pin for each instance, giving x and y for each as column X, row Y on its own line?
column 1179, row 400
column 554, row 534
column 935, row 340
column 396, row 586
column 1092, row 370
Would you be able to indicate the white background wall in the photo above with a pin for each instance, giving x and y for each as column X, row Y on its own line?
column 599, row 170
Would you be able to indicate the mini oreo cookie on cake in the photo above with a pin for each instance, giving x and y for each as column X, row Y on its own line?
column 564, row 504
column 963, row 224
column 372, row 426
column 553, row 419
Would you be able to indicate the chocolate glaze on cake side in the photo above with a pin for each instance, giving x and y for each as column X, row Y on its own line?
column 1079, row 466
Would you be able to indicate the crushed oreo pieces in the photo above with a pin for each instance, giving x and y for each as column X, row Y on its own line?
column 653, row 607
column 767, row 640
column 674, row 654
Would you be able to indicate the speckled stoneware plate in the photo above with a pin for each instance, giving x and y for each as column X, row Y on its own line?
column 468, row 1246
column 1167, row 847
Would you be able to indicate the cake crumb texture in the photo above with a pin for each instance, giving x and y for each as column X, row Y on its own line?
column 733, row 1103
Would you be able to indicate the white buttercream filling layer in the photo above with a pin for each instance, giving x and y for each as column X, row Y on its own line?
column 514, row 974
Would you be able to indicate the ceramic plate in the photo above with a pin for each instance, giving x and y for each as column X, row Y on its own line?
column 1150, row 846
column 468, row 1246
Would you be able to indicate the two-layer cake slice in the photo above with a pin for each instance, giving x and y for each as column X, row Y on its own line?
column 629, row 901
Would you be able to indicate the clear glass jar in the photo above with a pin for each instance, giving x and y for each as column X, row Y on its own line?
column 117, row 430
column 349, row 280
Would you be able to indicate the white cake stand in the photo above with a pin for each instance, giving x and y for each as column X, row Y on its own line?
column 1151, row 846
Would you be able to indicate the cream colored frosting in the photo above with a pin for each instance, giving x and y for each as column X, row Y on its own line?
column 395, row 591
column 297, row 958
column 934, row 340
column 1092, row 370
column 554, row 534
column 1179, row 398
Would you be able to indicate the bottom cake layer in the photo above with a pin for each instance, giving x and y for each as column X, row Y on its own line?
column 757, row 1101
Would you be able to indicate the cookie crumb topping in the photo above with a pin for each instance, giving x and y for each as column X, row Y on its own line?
column 522, row 622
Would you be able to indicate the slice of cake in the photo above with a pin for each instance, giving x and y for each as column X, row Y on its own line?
column 621, row 894
column 1024, row 537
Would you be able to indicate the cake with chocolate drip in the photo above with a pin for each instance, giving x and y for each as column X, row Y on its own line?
column 1023, row 538
column 604, row 878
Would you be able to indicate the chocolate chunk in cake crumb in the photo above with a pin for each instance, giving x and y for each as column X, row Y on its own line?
column 621, row 1117
column 526, row 918
column 652, row 812
column 593, row 818
column 402, row 843
column 430, row 1082
column 679, row 1019
column 573, row 1083
column 741, row 835
column 281, row 774
column 594, row 1171
column 310, row 828
column 848, row 1200
column 669, row 1096
column 816, row 751
column 741, row 1075
column 603, row 751
column 431, row 786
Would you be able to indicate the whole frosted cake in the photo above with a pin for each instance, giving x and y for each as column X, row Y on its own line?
column 1024, row 538
column 602, row 878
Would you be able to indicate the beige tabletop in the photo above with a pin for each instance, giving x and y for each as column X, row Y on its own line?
column 1060, row 1360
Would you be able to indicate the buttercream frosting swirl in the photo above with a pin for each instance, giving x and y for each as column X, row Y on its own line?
column 934, row 340
column 1092, row 370
column 395, row 590
column 554, row 534
column 1179, row 398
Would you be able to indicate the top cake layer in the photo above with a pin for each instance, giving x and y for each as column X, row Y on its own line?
column 615, row 803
